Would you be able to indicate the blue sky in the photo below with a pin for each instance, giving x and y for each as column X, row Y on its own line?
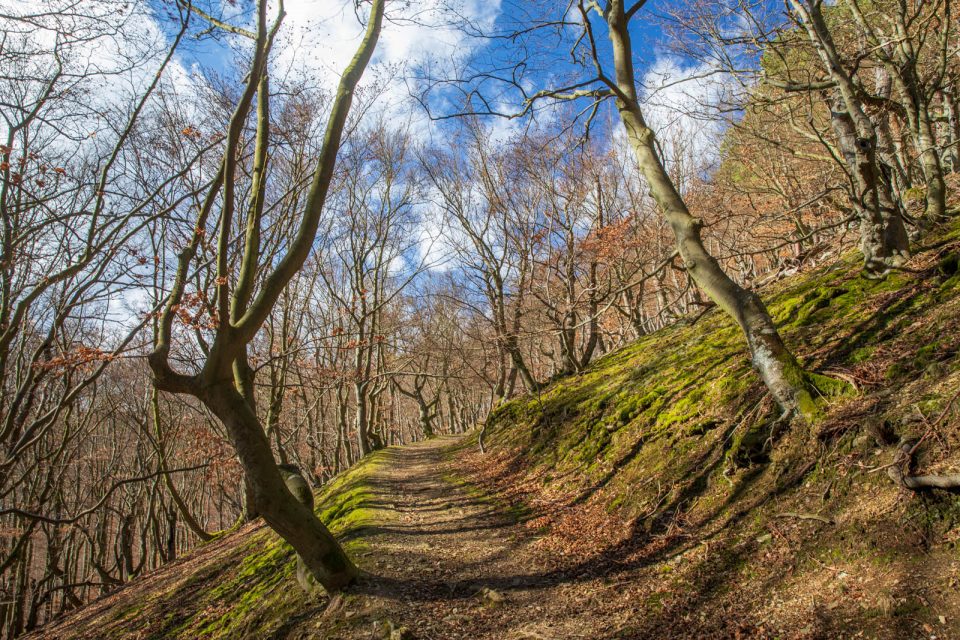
column 319, row 37
column 328, row 28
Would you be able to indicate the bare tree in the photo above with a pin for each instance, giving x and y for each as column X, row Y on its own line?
column 493, row 234
column 883, row 238
column 224, row 382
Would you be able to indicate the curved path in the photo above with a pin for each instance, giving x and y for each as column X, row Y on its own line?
column 450, row 562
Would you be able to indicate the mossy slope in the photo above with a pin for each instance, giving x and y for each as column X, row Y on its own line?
column 658, row 434
column 673, row 400
column 238, row 586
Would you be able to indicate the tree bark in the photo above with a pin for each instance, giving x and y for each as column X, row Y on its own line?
column 221, row 383
column 883, row 237
column 295, row 522
column 777, row 366
column 899, row 56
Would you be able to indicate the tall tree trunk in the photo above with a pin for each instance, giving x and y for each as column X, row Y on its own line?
column 777, row 366
column 361, row 419
column 951, row 128
column 343, row 445
column 930, row 162
column 296, row 523
column 883, row 238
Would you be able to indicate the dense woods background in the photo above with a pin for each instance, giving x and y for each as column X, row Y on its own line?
column 457, row 262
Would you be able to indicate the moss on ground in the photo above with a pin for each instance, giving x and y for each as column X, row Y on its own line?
column 250, row 591
column 684, row 404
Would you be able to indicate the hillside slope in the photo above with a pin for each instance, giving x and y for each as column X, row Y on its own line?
column 645, row 498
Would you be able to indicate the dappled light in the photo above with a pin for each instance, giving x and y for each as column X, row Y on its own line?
column 449, row 319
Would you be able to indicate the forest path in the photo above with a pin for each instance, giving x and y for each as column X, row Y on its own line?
column 450, row 562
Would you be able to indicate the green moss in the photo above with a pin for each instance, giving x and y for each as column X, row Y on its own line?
column 251, row 593
column 923, row 357
column 749, row 445
column 937, row 515
column 828, row 387
column 515, row 511
column 816, row 300
column 131, row 611
column 669, row 402
column 701, row 427
column 254, row 593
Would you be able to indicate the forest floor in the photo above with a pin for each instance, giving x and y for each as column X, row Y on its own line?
column 472, row 559
column 646, row 497
column 455, row 562
column 444, row 558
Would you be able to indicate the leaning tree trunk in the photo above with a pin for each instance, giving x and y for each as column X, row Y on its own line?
column 777, row 366
column 294, row 521
column 775, row 363
column 512, row 347
column 426, row 419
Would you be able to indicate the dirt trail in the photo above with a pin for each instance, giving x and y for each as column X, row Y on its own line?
column 444, row 547
column 445, row 556
column 442, row 559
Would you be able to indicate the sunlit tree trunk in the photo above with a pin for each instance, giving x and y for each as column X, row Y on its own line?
column 777, row 366
column 221, row 384
column 883, row 237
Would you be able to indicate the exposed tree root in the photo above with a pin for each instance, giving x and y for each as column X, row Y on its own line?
column 899, row 472
column 806, row 516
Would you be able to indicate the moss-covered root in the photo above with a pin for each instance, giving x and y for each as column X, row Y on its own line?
column 798, row 392
column 752, row 444
column 828, row 388
column 816, row 390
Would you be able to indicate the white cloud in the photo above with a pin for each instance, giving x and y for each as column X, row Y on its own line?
column 680, row 103
column 319, row 38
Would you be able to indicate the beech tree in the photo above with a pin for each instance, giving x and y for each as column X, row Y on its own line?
column 867, row 83
column 246, row 296
column 912, row 42
column 883, row 237
column 605, row 71
column 265, row 244
column 370, row 261
column 80, row 185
